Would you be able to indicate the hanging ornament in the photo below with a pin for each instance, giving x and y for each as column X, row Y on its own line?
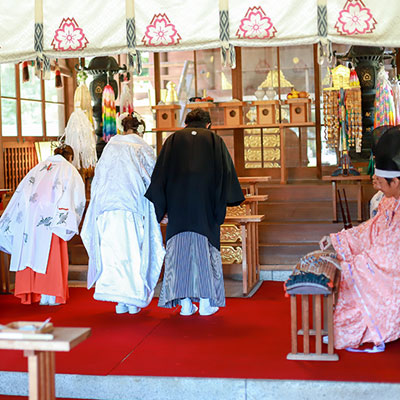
column 58, row 75
column 83, row 100
column 384, row 102
column 108, row 113
column 354, row 81
column 25, row 72
column 126, row 99
column 79, row 134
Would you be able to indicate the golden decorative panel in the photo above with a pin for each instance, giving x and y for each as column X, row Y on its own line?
column 231, row 255
column 271, row 141
column 230, row 233
column 268, row 141
column 272, row 154
column 252, row 141
column 236, row 211
column 252, row 165
column 252, row 155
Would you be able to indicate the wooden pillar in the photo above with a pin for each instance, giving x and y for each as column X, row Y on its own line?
column 237, row 93
column 70, row 87
column 237, row 86
column 157, row 88
column 317, row 86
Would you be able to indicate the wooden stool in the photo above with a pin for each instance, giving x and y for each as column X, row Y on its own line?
column 321, row 310
column 316, row 275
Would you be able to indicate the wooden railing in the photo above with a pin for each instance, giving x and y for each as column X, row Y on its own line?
column 19, row 158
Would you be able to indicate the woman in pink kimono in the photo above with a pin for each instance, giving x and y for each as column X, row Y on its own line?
column 368, row 307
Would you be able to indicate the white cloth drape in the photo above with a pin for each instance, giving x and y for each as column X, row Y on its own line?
column 81, row 28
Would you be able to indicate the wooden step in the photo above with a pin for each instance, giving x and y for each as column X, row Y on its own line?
column 299, row 232
column 285, row 254
column 76, row 283
column 318, row 191
column 77, row 273
column 296, row 211
column 77, row 254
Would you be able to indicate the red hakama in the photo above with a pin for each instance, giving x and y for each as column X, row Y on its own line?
column 30, row 285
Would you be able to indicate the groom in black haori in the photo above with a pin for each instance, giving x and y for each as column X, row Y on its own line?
column 193, row 182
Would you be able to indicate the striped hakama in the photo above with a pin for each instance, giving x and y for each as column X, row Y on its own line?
column 193, row 268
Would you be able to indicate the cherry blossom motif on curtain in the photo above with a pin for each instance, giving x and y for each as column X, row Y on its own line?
column 161, row 32
column 355, row 18
column 256, row 25
column 69, row 37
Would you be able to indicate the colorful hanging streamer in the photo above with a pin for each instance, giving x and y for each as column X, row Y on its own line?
column 384, row 103
column 108, row 113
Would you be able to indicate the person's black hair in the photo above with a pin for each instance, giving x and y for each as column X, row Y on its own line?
column 64, row 150
column 131, row 122
column 199, row 116
column 376, row 135
column 387, row 150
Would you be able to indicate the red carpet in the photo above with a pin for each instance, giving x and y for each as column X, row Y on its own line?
column 250, row 338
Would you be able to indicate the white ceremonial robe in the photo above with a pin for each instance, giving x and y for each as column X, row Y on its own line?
column 50, row 199
column 120, row 232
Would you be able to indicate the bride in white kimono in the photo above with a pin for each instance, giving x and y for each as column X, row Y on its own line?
column 120, row 232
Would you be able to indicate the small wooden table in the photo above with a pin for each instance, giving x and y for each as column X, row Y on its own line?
column 249, row 244
column 252, row 181
column 250, row 184
column 343, row 179
column 41, row 358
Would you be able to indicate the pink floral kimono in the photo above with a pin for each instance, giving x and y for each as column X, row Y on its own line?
column 368, row 307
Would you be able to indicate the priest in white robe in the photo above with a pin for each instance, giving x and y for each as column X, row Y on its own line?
column 120, row 232
column 44, row 213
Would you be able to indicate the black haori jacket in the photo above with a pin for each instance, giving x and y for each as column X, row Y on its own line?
column 194, row 180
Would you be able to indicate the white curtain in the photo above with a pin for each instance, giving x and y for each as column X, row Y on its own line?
column 364, row 23
column 17, row 18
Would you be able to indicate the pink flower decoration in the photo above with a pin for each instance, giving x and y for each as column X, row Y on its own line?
column 256, row 25
column 355, row 18
column 69, row 37
column 160, row 32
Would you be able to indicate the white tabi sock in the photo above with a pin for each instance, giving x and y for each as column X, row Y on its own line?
column 188, row 308
column 52, row 301
column 44, row 300
column 206, row 308
column 133, row 309
column 121, row 308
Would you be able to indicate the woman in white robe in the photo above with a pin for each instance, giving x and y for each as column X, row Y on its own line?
column 120, row 232
column 44, row 213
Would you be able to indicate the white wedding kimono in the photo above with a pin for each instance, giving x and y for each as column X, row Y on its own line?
column 50, row 199
column 120, row 232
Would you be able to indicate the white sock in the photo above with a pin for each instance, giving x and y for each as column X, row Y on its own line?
column 187, row 305
column 44, row 299
column 206, row 308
